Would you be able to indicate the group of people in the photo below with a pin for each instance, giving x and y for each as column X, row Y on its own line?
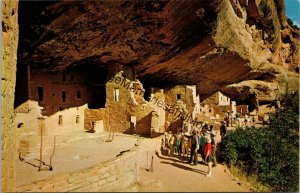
column 237, row 119
column 190, row 145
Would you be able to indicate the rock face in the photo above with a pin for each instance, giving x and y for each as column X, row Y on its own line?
column 9, row 62
column 214, row 44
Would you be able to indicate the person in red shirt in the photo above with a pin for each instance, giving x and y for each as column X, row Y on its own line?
column 208, row 153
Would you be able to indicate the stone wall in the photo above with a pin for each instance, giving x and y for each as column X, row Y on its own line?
column 76, row 87
column 29, row 120
column 10, row 34
column 130, row 104
column 217, row 98
column 242, row 109
column 111, row 175
column 93, row 115
column 183, row 98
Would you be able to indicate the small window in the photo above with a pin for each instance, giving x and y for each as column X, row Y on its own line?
column 116, row 94
column 77, row 119
column 178, row 96
column 78, row 94
column 41, row 93
column 209, row 110
column 63, row 96
column 64, row 77
column 71, row 77
column 60, row 120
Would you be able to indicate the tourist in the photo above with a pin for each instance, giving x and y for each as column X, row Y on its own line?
column 246, row 120
column 226, row 119
column 184, row 146
column 194, row 149
column 171, row 143
column 214, row 145
column 208, row 153
column 165, row 141
column 201, row 139
column 231, row 118
column 238, row 119
column 178, row 143
column 223, row 130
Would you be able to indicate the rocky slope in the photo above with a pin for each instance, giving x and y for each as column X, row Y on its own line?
column 237, row 46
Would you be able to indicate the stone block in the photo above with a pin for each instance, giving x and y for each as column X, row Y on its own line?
column 23, row 188
column 112, row 178
column 104, row 176
column 102, row 182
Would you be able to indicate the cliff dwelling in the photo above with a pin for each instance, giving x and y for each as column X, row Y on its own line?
column 90, row 89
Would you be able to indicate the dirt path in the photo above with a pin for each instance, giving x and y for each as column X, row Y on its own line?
column 172, row 174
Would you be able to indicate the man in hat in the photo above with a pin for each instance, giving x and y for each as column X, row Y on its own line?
column 194, row 149
column 223, row 129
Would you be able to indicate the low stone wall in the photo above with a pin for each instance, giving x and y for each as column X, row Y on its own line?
column 111, row 175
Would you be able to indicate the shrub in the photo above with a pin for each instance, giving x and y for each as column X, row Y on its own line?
column 270, row 153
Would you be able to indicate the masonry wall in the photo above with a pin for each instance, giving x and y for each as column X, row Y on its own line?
column 119, row 173
column 187, row 103
column 217, row 99
column 54, row 84
column 10, row 36
column 29, row 120
column 93, row 115
column 242, row 109
column 131, row 103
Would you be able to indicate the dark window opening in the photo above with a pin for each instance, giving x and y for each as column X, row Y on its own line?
column 53, row 94
column 60, row 120
column 78, row 94
column 77, row 119
column 63, row 96
column 116, row 94
column 64, row 77
column 20, row 125
column 41, row 93
column 178, row 96
column 148, row 92
column 210, row 110
column 97, row 97
column 71, row 77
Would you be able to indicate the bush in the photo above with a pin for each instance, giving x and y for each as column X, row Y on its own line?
column 270, row 153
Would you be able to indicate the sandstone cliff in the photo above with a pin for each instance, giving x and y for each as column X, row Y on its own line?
column 237, row 46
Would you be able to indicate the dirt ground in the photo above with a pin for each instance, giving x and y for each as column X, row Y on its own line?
column 173, row 174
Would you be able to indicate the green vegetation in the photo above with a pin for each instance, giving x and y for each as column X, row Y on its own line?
column 270, row 153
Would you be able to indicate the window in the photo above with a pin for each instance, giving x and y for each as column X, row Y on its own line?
column 63, row 96
column 78, row 94
column 77, row 119
column 60, row 120
column 210, row 110
column 178, row 96
column 41, row 93
column 64, row 77
column 116, row 94
column 71, row 77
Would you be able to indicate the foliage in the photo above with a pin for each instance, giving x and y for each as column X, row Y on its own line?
column 271, row 153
